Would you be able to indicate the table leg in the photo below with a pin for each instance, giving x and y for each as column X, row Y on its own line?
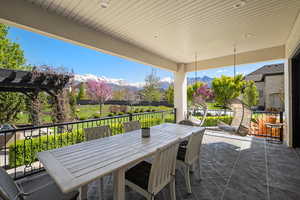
column 119, row 184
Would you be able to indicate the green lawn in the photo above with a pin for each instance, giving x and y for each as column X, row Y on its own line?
column 87, row 112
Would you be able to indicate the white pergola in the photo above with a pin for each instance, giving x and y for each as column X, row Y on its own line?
column 167, row 33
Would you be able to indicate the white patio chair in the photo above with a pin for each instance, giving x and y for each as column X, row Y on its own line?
column 9, row 190
column 97, row 132
column 190, row 155
column 149, row 179
column 92, row 134
column 131, row 126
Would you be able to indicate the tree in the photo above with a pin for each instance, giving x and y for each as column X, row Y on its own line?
column 11, row 57
column 81, row 92
column 169, row 94
column 99, row 91
column 250, row 94
column 191, row 91
column 151, row 91
column 118, row 94
column 227, row 88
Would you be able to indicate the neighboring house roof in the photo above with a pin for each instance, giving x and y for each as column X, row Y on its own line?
column 266, row 70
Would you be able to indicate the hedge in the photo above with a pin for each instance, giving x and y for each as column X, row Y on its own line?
column 213, row 121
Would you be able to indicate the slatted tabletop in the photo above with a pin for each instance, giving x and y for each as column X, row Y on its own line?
column 74, row 166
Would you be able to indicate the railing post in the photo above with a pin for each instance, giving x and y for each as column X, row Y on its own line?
column 175, row 118
column 281, row 129
column 130, row 116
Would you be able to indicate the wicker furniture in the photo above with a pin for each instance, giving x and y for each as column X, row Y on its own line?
column 241, row 121
column 189, row 156
column 131, row 126
column 92, row 134
column 149, row 179
column 9, row 190
column 76, row 165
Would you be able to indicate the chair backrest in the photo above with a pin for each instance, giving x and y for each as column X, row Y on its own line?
column 8, row 188
column 186, row 122
column 97, row 132
column 131, row 126
column 194, row 146
column 163, row 167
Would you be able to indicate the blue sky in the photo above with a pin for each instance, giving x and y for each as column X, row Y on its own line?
column 42, row 50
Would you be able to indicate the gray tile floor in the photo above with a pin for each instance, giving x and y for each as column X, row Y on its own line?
column 234, row 168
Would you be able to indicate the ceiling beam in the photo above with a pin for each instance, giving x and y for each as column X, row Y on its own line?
column 293, row 41
column 260, row 55
column 33, row 18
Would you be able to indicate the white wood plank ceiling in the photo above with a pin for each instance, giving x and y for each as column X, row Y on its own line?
column 176, row 29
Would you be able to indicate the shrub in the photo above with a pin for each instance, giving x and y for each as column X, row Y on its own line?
column 120, row 113
column 83, row 117
column 213, row 121
column 96, row 115
column 110, row 114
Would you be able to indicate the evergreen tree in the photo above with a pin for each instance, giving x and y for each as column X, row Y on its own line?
column 11, row 57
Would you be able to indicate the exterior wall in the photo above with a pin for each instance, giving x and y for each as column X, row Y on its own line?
column 274, row 89
column 261, row 87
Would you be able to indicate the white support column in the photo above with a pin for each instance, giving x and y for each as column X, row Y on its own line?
column 180, row 92
column 288, row 132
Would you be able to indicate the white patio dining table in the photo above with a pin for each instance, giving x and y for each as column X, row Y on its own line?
column 77, row 165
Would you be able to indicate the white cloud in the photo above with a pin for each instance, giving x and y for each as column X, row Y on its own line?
column 222, row 70
column 167, row 79
column 243, row 73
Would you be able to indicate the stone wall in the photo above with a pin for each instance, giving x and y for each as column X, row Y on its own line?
column 274, row 88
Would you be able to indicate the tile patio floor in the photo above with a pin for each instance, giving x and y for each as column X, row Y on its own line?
column 234, row 168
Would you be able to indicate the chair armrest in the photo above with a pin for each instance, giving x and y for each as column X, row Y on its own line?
column 25, row 194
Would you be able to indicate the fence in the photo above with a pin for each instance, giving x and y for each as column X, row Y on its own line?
column 259, row 126
column 18, row 147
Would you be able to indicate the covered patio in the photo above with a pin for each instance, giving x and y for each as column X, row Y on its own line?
column 232, row 167
column 166, row 34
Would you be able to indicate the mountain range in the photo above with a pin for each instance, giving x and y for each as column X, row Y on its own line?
column 118, row 84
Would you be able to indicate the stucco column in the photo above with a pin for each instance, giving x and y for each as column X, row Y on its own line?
column 288, row 132
column 180, row 96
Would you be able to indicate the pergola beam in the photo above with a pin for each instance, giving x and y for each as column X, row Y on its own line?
column 30, row 17
column 260, row 55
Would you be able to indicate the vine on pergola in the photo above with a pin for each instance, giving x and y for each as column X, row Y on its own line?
column 54, row 81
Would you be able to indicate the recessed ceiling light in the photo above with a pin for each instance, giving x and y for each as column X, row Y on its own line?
column 248, row 35
column 104, row 3
column 239, row 4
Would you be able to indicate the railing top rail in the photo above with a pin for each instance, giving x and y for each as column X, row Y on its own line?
column 267, row 112
column 80, row 121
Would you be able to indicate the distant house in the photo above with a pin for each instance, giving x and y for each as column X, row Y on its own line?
column 269, row 81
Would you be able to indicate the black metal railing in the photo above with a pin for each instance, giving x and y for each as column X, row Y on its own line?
column 267, row 125
column 19, row 147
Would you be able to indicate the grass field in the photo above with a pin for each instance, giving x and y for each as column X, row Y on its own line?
column 91, row 111
column 87, row 112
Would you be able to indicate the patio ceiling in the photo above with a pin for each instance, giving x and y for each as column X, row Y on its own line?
column 164, row 33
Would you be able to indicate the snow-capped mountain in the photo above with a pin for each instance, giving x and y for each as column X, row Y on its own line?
column 121, row 83
column 118, row 83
